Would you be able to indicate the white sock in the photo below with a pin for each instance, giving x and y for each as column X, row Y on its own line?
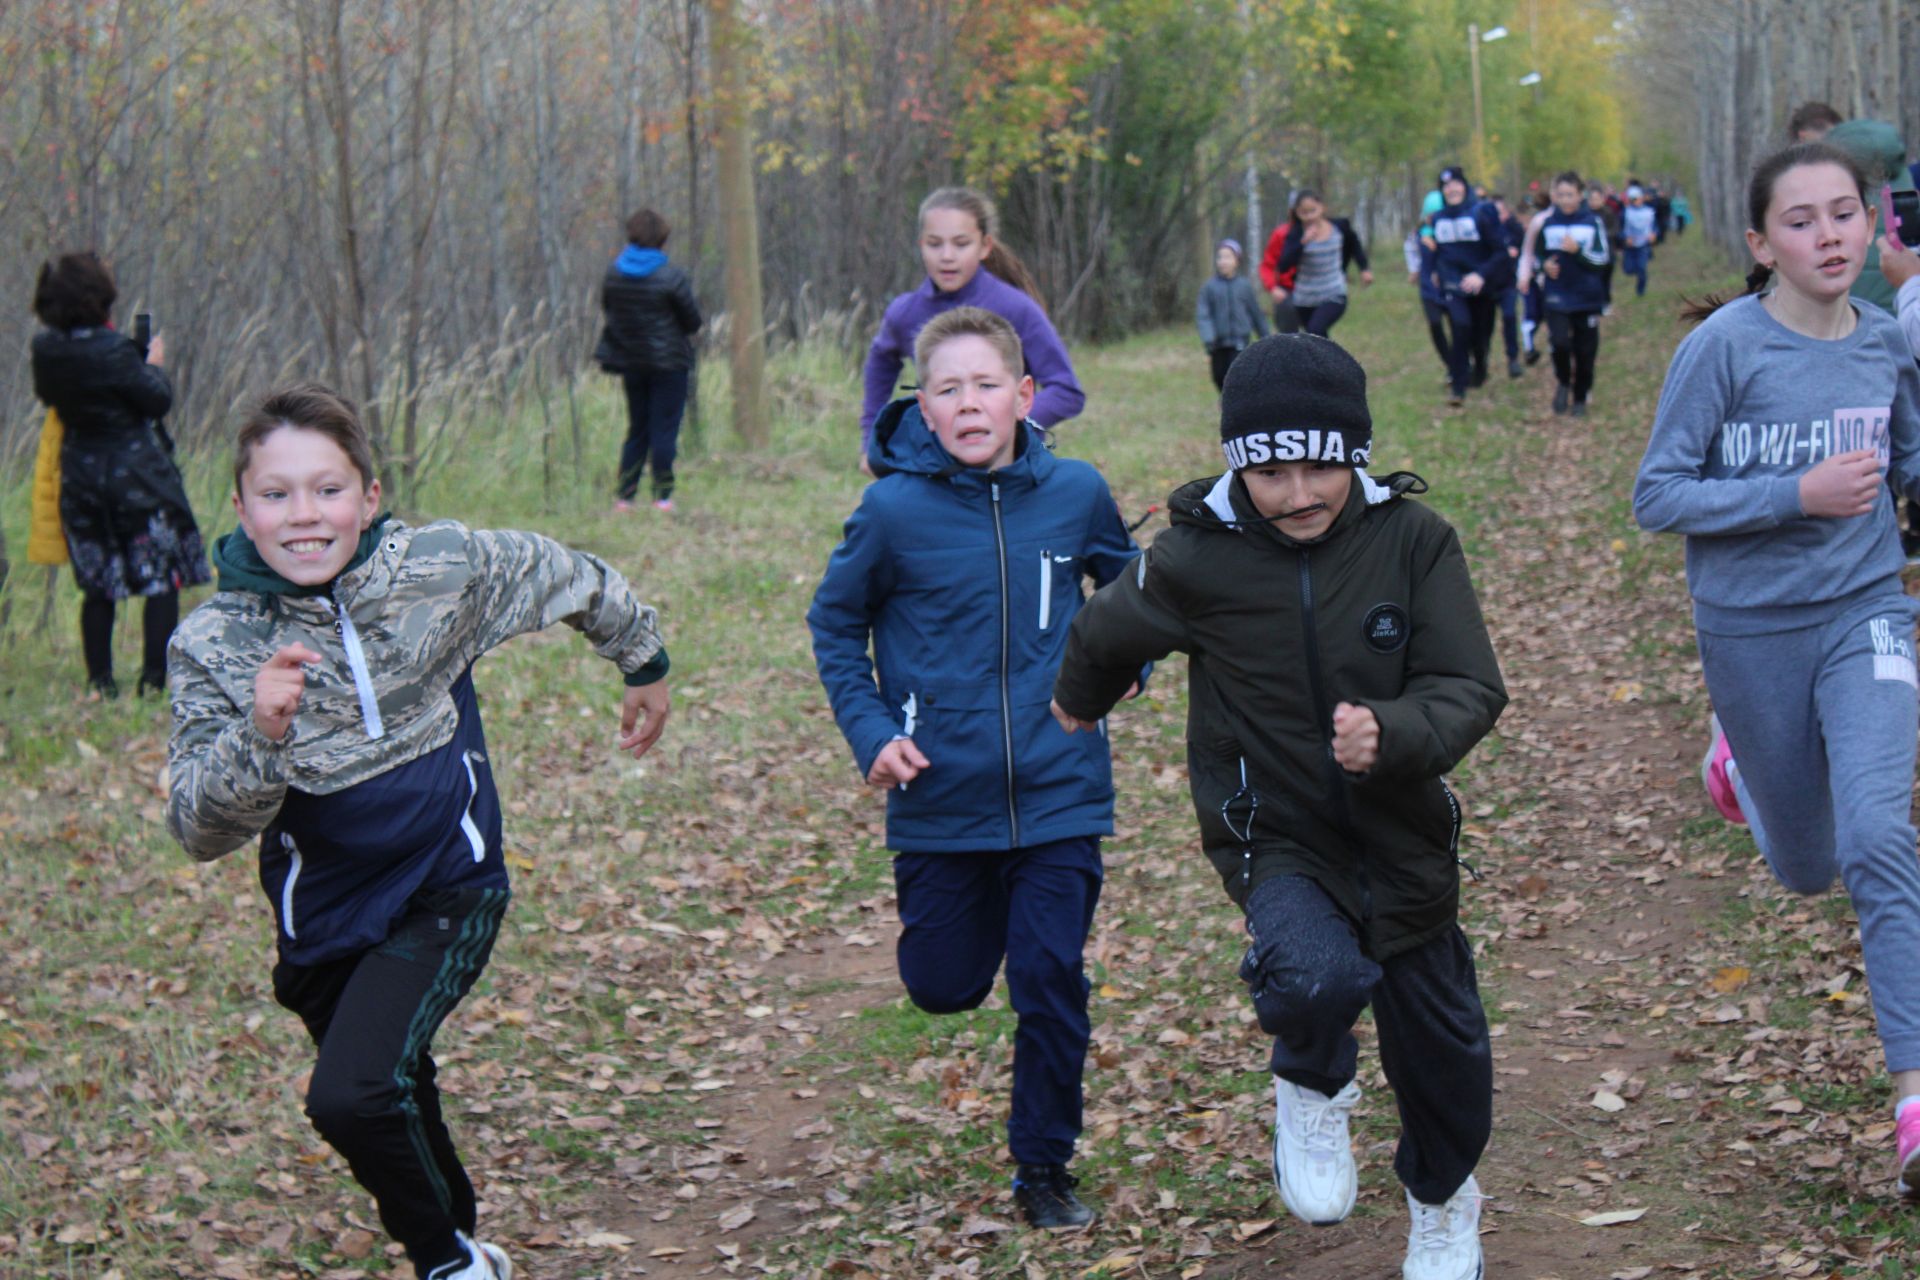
column 1900, row 1107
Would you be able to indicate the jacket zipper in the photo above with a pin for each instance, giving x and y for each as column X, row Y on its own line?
column 1046, row 589
column 286, row 890
column 1323, row 713
column 362, row 678
column 1006, row 642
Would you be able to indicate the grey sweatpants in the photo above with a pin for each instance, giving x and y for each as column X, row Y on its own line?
column 1822, row 723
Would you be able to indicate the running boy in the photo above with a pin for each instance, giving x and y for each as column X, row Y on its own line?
column 962, row 567
column 1339, row 669
column 323, row 701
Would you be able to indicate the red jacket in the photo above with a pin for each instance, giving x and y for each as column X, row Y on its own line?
column 1270, row 274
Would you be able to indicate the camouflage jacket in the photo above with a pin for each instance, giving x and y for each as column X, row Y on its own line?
column 397, row 632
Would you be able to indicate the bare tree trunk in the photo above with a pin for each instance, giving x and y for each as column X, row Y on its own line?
column 746, row 331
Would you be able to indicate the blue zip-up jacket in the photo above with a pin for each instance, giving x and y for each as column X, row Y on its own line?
column 965, row 581
column 340, row 868
column 1578, row 240
column 1466, row 239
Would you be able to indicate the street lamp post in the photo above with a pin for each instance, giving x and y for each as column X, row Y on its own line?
column 1476, row 38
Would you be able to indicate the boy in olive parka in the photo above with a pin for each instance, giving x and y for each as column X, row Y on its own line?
column 1339, row 667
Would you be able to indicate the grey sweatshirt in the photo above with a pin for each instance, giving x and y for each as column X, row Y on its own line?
column 1749, row 407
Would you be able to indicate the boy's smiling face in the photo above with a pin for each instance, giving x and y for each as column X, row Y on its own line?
column 1307, row 497
column 304, row 505
column 972, row 402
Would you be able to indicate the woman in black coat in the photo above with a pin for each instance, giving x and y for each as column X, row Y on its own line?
column 648, row 341
column 129, row 528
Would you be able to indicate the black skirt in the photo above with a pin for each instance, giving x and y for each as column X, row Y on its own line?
column 130, row 529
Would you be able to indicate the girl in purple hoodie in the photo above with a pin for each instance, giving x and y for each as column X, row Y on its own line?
column 967, row 266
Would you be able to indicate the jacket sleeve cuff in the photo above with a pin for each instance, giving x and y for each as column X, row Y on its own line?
column 654, row 670
column 1401, row 726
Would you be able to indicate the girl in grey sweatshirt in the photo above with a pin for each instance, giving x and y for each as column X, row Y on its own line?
column 1783, row 416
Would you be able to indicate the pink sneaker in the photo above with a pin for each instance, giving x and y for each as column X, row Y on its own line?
column 1713, row 772
column 1906, row 1136
column 621, row 505
column 663, row 504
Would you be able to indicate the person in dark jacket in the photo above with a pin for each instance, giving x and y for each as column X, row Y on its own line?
column 1339, row 668
column 651, row 319
column 962, row 570
column 1572, row 244
column 1318, row 251
column 1470, row 266
column 129, row 527
column 1228, row 311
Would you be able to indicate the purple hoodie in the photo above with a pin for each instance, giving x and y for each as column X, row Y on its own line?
column 1059, row 396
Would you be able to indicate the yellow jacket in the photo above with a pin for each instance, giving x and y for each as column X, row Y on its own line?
column 46, row 544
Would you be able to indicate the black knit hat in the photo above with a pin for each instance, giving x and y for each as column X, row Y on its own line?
column 1295, row 397
column 1452, row 173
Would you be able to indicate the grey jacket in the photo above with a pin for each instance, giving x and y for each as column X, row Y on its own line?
column 1227, row 310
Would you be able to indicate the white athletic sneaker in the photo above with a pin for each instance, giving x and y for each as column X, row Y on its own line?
column 1312, row 1157
column 1444, row 1243
column 484, row 1262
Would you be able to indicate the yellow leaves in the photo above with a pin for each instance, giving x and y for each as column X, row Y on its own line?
column 1731, row 979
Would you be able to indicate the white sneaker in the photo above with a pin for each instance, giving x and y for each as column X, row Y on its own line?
column 1444, row 1243
column 1312, row 1157
column 484, row 1262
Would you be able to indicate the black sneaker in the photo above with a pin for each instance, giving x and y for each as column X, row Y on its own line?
column 1533, row 356
column 1562, row 397
column 1513, row 367
column 1579, row 408
column 1479, row 378
column 151, row 682
column 105, row 688
column 1044, row 1193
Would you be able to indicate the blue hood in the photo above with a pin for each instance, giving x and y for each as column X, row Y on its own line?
column 635, row 261
column 902, row 441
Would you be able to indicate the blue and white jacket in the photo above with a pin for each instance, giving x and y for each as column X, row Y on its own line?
column 1578, row 240
column 1466, row 239
column 340, row 869
column 964, row 582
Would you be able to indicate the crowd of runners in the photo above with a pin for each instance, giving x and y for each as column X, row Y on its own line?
column 1339, row 667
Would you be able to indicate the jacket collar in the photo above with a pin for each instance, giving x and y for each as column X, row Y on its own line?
column 902, row 441
column 240, row 566
column 1228, row 502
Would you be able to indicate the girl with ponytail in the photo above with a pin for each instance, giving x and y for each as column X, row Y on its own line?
column 968, row 266
column 1784, row 414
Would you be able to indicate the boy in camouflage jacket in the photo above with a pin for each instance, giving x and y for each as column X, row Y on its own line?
column 323, row 700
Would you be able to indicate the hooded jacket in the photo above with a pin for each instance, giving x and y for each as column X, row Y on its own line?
column 965, row 581
column 1227, row 312
column 1379, row 612
column 1466, row 240
column 381, row 786
column 651, row 315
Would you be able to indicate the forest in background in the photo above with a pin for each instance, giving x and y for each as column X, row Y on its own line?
column 415, row 199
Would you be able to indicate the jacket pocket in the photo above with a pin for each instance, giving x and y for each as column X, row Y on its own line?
column 1057, row 573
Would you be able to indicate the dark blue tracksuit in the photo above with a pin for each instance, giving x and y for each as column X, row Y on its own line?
column 964, row 582
column 1513, row 235
column 387, row 898
column 1462, row 240
column 1576, row 294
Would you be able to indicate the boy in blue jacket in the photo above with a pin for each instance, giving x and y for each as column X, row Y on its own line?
column 962, row 566
column 1469, row 263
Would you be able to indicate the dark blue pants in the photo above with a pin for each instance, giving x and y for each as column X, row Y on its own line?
column 1634, row 263
column 1310, row 979
column 1320, row 318
column 655, row 402
column 1470, row 318
column 960, row 914
column 1510, row 321
column 1436, row 313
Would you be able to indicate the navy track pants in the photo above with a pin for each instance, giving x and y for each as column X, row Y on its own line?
column 372, row 1096
column 960, row 915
